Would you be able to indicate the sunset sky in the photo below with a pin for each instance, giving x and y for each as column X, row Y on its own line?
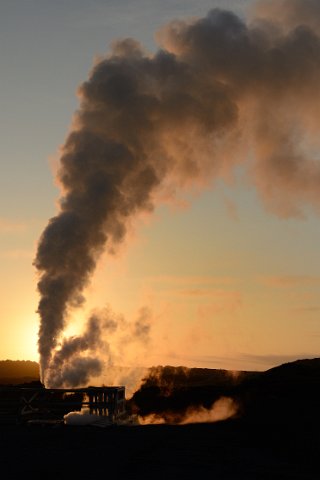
column 227, row 282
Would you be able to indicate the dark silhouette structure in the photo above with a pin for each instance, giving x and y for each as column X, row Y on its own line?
column 21, row 404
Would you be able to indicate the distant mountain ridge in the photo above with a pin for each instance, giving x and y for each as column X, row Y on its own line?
column 18, row 371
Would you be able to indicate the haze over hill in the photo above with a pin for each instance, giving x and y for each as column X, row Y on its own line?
column 18, row 371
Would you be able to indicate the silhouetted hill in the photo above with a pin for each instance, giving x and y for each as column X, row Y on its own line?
column 288, row 391
column 304, row 370
column 291, row 390
column 18, row 371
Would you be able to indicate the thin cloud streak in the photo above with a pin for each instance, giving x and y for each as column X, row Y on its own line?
column 17, row 254
column 192, row 280
column 306, row 310
column 199, row 292
column 8, row 226
column 272, row 360
column 247, row 361
column 287, row 281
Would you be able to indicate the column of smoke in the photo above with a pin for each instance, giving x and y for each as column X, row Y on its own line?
column 220, row 92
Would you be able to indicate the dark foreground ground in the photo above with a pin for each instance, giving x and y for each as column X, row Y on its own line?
column 226, row 450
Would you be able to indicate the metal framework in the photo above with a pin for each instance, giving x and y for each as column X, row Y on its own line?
column 23, row 403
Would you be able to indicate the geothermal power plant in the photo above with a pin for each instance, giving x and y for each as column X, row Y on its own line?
column 38, row 405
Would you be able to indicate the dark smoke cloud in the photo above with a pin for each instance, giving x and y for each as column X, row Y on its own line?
column 77, row 372
column 218, row 93
column 68, row 367
column 142, row 326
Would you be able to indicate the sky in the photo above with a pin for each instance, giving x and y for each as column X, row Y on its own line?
column 228, row 283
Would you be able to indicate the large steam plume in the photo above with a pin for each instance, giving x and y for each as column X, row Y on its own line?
column 105, row 338
column 218, row 93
